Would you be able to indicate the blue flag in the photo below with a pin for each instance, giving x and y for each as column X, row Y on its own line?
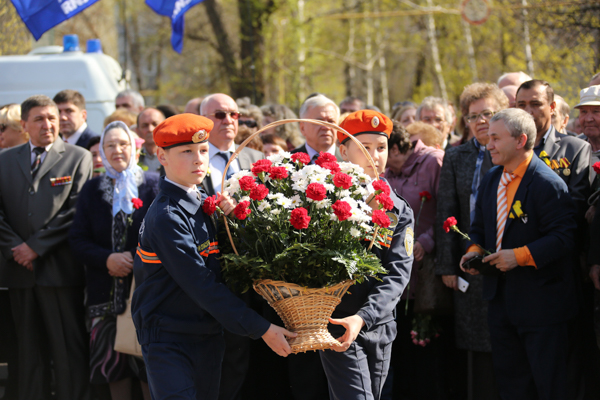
column 42, row 15
column 175, row 9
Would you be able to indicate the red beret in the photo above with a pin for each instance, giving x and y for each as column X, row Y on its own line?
column 365, row 121
column 182, row 129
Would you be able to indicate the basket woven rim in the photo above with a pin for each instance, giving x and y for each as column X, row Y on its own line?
column 303, row 289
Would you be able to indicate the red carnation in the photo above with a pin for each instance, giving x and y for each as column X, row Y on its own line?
column 385, row 201
column 325, row 158
column 342, row 180
column 596, row 167
column 449, row 223
column 301, row 157
column 241, row 211
column 299, row 218
column 210, row 205
column 381, row 219
column 316, row 192
column 333, row 166
column 425, row 196
column 342, row 210
column 137, row 203
column 278, row 173
column 259, row 192
column 247, row 183
column 381, row 185
column 261, row 166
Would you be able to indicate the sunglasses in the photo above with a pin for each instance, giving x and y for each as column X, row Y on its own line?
column 3, row 127
column 223, row 114
column 249, row 123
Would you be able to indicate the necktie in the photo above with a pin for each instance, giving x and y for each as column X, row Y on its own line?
column 476, row 179
column 38, row 160
column 314, row 158
column 502, row 208
column 225, row 155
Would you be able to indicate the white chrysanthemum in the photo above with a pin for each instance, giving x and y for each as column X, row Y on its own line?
column 298, row 175
column 284, row 202
column 277, row 158
column 345, row 193
column 263, row 205
column 310, row 170
column 353, row 203
column 288, row 167
column 274, row 196
column 333, row 217
column 364, row 206
column 318, row 178
column 355, row 232
column 368, row 228
column 361, row 191
column 275, row 211
column 325, row 203
column 349, row 168
column 300, row 185
column 329, row 187
column 245, row 198
column 296, row 201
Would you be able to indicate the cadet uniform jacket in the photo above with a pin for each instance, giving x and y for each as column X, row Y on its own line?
column 375, row 300
column 179, row 296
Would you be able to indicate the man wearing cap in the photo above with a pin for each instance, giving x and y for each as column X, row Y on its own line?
column 589, row 118
column 364, row 321
column 180, row 306
column 318, row 138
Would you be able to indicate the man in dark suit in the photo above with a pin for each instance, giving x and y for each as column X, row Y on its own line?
column 73, row 115
column 319, row 138
column 525, row 215
column 39, row 184
column 537, row 98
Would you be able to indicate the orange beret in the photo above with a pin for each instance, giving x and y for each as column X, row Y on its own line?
column 182, row 129
column 365, row 121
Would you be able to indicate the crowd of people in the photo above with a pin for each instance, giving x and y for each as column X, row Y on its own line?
column 69, row 232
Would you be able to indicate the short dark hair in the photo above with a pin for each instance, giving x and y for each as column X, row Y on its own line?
column 167, row 110
column 399, row 137
column 70, row 96
column 94, row 140
column 275, row 140
column 38, row 100
column 535, row 83
column 352, row 99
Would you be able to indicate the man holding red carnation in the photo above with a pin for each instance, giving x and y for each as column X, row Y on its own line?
column 364, row 321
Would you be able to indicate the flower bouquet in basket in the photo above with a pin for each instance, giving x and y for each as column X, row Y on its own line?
column 301, row 237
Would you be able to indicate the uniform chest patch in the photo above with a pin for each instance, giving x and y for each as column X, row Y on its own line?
column 204, row 246
column 409, row 241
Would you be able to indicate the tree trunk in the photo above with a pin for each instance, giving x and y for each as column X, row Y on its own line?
column 431, row 35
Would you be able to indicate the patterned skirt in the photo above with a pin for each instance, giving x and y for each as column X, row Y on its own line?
column 106, row 364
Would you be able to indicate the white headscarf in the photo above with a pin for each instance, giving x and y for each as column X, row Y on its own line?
column 126, row 187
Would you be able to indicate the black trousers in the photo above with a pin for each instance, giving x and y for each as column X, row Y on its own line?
column 49, row 323
column 530, row 362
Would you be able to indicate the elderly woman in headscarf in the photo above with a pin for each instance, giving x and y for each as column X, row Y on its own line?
column 110, row 210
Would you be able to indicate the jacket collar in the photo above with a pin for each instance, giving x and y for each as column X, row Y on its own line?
column 54, row 155
column 188, row 201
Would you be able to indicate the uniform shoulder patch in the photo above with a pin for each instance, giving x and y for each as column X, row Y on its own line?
column 409, row 241
column 204, row 246
column 393, row 219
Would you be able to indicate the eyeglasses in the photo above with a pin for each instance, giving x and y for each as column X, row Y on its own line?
column 113, row 146
column 487, row 115
column 250, row 123
column 223, row 114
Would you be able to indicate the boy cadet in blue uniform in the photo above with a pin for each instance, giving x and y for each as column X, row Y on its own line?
column 180, row 306
column 358, row 369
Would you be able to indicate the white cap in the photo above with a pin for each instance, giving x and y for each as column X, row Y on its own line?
column 589, row 96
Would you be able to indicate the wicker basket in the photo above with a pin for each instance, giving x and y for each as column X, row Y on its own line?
column 304, row 311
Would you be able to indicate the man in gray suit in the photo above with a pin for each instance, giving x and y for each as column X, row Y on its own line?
column 223, row 111
column 39, row 184
column 319, row 138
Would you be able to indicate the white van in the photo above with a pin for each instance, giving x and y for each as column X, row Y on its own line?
column 48, row 70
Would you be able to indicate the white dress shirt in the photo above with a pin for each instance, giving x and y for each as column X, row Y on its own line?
column 311, row 152
column 217, row 165
column 31, row 147
column 75, row 137
column 183, row 187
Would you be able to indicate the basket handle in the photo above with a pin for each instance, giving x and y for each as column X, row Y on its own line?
column 287, row 121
